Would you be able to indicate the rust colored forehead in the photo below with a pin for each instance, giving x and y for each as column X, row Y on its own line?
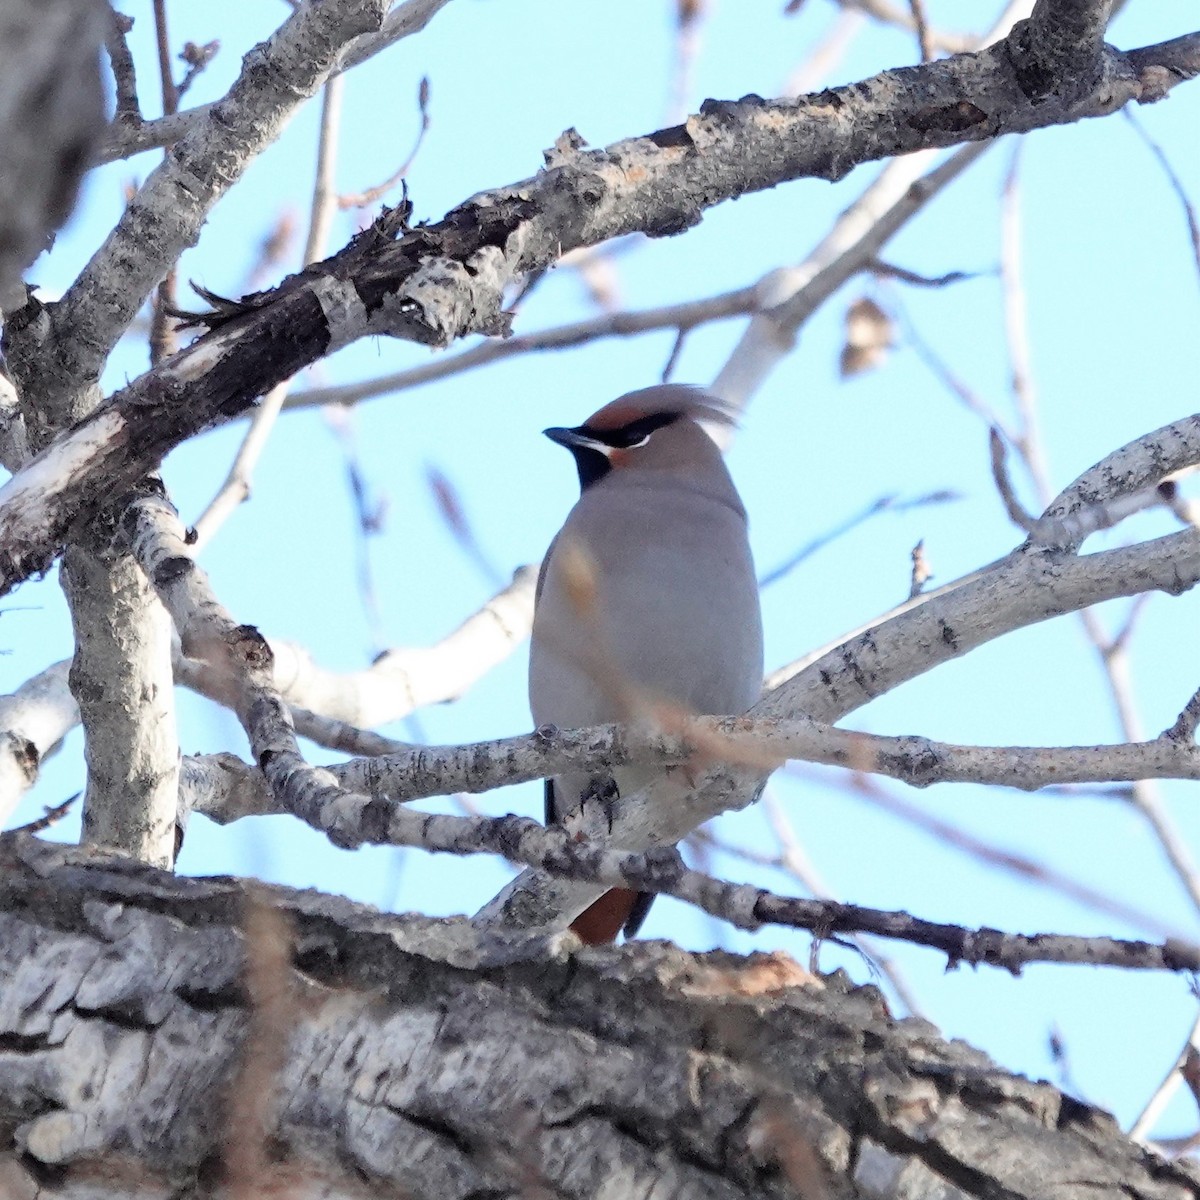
column 674, row 398
column 620, row 413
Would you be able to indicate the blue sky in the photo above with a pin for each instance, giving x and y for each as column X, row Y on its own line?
column 1113, row 307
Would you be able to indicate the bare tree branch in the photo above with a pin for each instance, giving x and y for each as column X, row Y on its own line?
column 116, row 44
column 442, row 281
column 918, row 761
column 1020, row 590
column 235, row 490
column 717, row 1074
column 242, row 658
column 33, row 722
column 121, row 679
column 686, row 315
column 571, row 858
column 400, row 681
column 126, row 139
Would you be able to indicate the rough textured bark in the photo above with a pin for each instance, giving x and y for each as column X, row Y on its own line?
column 443, row 281
column 418, row 1062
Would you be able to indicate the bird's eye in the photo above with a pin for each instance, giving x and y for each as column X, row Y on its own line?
column 639, row 442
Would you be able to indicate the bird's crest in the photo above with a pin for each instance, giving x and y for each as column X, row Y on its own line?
column 685, row 400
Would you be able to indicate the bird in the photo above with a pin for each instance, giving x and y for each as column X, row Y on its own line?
column 647, row 591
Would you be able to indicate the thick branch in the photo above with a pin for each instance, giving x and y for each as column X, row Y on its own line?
column 918, row 761
column 241, row 658
column 126, row 138
column 1057, row 51
column 418, row 1061
column 446, row 280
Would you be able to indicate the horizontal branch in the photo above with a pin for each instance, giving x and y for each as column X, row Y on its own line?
column 781, row 300
column 443, row 281
column 570, row 857
column 1020, row 590
column 438, row 770
column 686, row 315
column 226, row 789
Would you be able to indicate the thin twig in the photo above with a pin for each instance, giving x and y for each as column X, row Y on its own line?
column 235, row 489
column 689, row 18
column 1004, row 485
column 1113, row 653
column 163, row 342
column 921, row 22
column 1161, row 1097
column 887, row 270
column 51, row 815
column 196, row 58
column 971, row 400
column 921, row 573
column 1012, row 287
column 863, row 787
column 684, row 316
column 1189, row 209
column 1185, row 727
column 374, row 194
column 170, row 96
column 883, row 504
column 794, row 860
column 124, row 72
column 817, row 65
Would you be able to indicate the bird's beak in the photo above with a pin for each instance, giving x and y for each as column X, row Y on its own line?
column 574, row 440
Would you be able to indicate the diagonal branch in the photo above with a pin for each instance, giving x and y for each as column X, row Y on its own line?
column 443, row 281
column 243, row 659
column 399, row 681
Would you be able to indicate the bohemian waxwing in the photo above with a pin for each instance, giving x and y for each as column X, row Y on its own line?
column 647, row 593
